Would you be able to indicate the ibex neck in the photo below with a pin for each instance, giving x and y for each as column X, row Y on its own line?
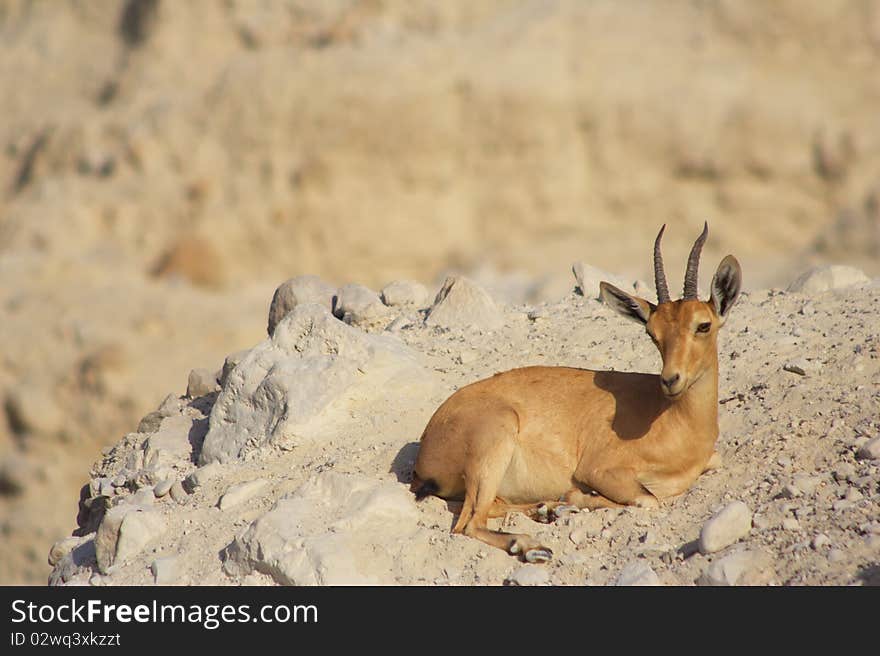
column 699, row 405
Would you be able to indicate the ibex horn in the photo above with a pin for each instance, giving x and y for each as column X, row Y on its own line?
column 690, row 276
column 659, row 274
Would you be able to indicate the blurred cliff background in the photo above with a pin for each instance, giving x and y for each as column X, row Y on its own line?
column 164, row 165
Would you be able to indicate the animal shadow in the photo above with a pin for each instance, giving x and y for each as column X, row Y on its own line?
column 402, row 465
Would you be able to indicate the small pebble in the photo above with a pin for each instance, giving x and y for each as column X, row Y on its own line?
column 163, row 487
column 844, row 472
column 870, row 450
column 405, row 293
column 63, row 547
column 164, row 570
column 760, row 522
column 241, row 492
column 870, row 528
column 790, row 491
column 578, row 536
column 841, row 504
column 170, row 406
column 202, row 475
column 804, row 511
column 730, row 524
column 729, row 569
column 200, row 383
column 144, row 496
column 467, row 356
column 820, row 541
column 852, row 494
column 178, row 493
column 539, row 313
column 637, row 573
column 791, row 524
column 836, row 555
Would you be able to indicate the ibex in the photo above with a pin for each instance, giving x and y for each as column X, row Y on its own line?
column 535, row 438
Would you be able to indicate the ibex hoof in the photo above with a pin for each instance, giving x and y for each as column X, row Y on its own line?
column 538, row 555
column 543, row 514
column 564, row 510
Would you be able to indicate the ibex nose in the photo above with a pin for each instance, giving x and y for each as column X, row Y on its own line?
column 670, row 382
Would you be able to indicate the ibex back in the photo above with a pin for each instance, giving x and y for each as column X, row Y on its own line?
column 535, row 438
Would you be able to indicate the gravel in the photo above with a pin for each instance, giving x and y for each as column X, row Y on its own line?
column 728, row 526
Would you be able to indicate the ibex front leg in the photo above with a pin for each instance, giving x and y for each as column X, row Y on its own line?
column 614, row 488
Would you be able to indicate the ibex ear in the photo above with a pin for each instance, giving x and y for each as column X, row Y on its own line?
column 725, row 286
column 632, row 307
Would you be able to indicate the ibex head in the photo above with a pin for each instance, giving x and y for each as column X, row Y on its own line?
column 684, row 331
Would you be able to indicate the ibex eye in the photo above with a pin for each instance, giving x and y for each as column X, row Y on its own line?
column 704, row 327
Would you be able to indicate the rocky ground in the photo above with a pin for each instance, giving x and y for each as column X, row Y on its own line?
column 289, row 463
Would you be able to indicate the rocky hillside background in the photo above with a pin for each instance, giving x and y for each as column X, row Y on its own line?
column 165, row 165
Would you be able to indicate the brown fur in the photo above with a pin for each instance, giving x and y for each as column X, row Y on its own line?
column 541, row 436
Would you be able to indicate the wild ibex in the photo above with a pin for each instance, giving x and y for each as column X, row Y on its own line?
column 591, row 439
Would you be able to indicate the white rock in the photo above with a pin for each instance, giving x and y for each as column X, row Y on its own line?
column 405, row 293
column 298, row 291
column 579, row 536
column 63, row 547
column 203, row 475
column 335, row 529
column 304, row 378
column 142, row 497
column 729, row 569
column 230, row 363
column 808, row 483
column 77, row 561
column 124, row 532
column 730, row 524
column 588, row 277
column 360, row 306
column 108, row 535
column 853, row 494
column 824, row 278
column 529, row 575
column 170, row 444
column 591, row 523
column 800, row 366
column 241, row 492
column 201, row 382
column 170, row 406
column 791, row 524
column 163, row 487
column 178, row 493
column 165, row 570
column 461, row 303
column 836, row 555
column 637, row 573
column 820, row 540
column 137, row 530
